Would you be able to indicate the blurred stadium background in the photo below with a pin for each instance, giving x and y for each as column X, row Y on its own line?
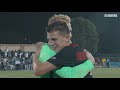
column 20, row 30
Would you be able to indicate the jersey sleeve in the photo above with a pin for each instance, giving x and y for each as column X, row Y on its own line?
column 79, row 71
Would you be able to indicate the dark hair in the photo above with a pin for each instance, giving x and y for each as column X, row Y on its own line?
column 58, row 26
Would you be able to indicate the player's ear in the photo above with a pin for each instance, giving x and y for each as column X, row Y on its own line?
column 68, row 36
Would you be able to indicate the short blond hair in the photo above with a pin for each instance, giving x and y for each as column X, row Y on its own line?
column 60, row 17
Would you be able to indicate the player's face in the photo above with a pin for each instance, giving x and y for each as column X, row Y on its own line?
column 56, row 40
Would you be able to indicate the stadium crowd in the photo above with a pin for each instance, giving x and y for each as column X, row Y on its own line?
column 15, row 60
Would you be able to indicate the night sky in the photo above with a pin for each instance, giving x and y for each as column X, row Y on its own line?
column 29, row 27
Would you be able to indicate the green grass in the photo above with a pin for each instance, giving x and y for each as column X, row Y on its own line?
column 106, row 73
column 97, row 73
column 17, row 74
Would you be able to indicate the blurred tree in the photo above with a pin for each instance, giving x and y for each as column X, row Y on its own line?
column 85, row 34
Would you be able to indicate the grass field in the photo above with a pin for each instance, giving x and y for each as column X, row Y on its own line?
column 106, row 73
column 17, row 74
column 97, row 73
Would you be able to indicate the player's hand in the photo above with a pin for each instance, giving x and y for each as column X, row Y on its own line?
column 38, row 45
column 89, row 56
column 38, row 49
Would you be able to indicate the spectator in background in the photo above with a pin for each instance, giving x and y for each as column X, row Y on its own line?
column 6, row 52
column 107, row 62
column 104, row 62
column 97, row 62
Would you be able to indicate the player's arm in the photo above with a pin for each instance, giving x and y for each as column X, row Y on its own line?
column 79, row 71
column 69, row 69
column 41, row 68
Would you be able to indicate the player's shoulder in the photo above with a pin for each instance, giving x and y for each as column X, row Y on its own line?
column 75, row 47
